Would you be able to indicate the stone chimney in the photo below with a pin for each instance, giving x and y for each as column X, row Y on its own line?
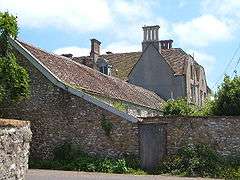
column 150, row 35
column 166, row 44
column 95, row 49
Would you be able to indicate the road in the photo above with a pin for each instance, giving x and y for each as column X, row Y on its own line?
column 71, row 175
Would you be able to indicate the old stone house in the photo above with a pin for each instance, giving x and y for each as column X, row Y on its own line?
column 169, row 72
column 71, row 102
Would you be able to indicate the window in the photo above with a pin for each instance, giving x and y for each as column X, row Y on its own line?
column 198, row 74
column 105, row 69
column 192, row 74
column 193, row 93
column 103, row 66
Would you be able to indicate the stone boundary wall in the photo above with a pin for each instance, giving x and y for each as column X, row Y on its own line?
column 15, row 137
column 220, row 133
column 57, row 116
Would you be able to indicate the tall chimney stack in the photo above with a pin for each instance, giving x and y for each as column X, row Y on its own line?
column 95, row 49
column 150, row 35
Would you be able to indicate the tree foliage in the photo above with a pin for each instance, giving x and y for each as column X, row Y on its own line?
column 14, row 79
column 179, row 107
column 227, row 98
column 226, row 102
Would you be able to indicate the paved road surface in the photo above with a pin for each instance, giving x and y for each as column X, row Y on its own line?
column 70, row 175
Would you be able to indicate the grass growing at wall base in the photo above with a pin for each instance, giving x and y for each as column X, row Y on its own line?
column 200, row 161
column 70, row 158
column 194, row 160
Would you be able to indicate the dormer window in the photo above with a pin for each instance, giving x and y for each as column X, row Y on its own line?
column 103, row 66
column 106, row 69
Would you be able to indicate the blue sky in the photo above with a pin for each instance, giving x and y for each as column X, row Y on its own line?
column 209, row 29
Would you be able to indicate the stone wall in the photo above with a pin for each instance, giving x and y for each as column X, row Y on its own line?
column 57, row 117
column 15, row 137
column 221, row 133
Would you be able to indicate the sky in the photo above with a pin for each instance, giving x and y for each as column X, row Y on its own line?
column 207, row 29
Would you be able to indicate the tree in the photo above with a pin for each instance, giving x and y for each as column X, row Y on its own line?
column 14, row 79
column 227, row 98
column 181, row 107
column 225, row 103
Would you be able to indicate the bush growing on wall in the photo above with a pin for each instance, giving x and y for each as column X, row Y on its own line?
column 14, row 79
column 179, row 107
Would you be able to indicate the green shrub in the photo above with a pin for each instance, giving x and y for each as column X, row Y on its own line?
column 69, row 157
column 119, row 106
column 66, row 151
column 199, row 160
column 120, row 166
column 179, row 107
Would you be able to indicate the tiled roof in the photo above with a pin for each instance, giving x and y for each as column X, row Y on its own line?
column 123, row 63
column 92, row 81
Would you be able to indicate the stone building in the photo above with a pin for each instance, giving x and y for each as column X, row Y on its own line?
column 71, row 102
column 169, row 72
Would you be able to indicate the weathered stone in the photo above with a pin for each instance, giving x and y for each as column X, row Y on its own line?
column 220, row 133
column 14, row 149
column 57, row 117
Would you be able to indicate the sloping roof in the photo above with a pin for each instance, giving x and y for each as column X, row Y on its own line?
column 92, row 81
column 123, row 63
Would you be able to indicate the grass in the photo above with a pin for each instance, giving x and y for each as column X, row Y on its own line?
column 190, row 161
column 70, row 158
column 200, row 161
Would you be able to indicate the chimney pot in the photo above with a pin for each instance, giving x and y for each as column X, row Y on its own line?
column 150, row 36
column 67, row 55
column 166, row 44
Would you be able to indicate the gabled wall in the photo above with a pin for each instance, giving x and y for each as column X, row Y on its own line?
column 154, row 73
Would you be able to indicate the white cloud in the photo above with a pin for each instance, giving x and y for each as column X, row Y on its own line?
column 202, row 30
column 227, row 10
column 133, row 33
column 77, row 15
column 76, row 51
column 222, row 7
column 132, row 9
column 116, row 47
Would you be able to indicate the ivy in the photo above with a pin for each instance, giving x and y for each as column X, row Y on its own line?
column 106, row 125
column 14, row 79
